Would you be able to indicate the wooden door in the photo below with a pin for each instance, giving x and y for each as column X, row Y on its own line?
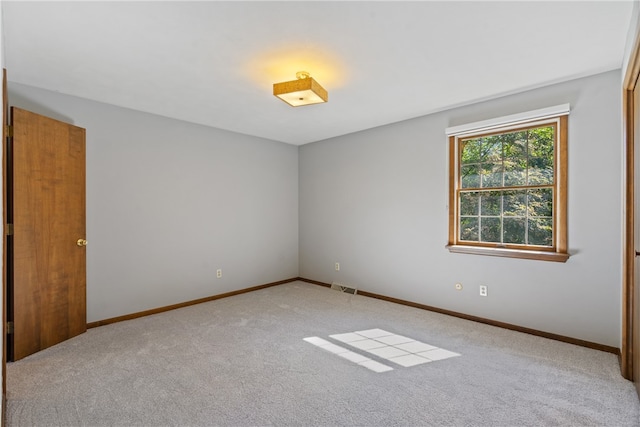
column 630, row 351
column 48, row 293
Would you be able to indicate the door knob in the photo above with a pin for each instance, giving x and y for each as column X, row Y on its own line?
column 81, row 242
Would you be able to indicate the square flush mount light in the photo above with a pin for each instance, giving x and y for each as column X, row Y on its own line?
column 303, row 91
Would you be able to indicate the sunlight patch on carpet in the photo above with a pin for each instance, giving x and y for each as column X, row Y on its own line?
column 349, row 355
column 401, row 350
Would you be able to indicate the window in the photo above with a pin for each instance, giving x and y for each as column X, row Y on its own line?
column 508, row 186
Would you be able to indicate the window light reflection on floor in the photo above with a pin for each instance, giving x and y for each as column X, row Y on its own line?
column 397, row 349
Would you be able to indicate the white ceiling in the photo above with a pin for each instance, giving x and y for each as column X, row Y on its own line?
column 214, row 63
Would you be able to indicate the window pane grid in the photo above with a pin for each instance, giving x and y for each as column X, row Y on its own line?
column 507, row 216
column 515, row 168
column 514, row 159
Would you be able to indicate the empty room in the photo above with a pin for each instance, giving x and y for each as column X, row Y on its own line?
column 321, row 213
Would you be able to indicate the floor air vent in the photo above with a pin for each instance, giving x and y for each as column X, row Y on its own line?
column 343, row 288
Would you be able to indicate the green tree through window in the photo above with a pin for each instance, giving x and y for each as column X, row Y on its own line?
column 506, row 194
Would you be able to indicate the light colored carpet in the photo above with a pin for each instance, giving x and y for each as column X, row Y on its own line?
column 242, row 361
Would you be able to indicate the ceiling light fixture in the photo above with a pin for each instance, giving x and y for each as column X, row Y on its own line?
column 303, row 91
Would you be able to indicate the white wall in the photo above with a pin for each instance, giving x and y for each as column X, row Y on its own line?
column 169, row 202
column 634, row 27
column 376, row 201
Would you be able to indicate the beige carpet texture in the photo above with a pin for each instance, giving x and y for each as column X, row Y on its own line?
column 298, row 354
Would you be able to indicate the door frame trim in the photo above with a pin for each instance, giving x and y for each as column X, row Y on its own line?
column 628, row 284
column 5, row 121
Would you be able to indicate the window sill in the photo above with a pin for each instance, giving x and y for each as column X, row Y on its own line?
column 509, row 253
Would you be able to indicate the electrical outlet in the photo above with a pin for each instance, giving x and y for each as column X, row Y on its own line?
column 337, row 266
column 219, row 273
column 484, row 290
column 458, row 286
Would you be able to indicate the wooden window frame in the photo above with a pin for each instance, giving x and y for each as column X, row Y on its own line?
column 558, row 116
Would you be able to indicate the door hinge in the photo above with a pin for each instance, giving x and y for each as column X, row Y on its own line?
column 9, row 230
column 8, row 130
column 9, row 328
